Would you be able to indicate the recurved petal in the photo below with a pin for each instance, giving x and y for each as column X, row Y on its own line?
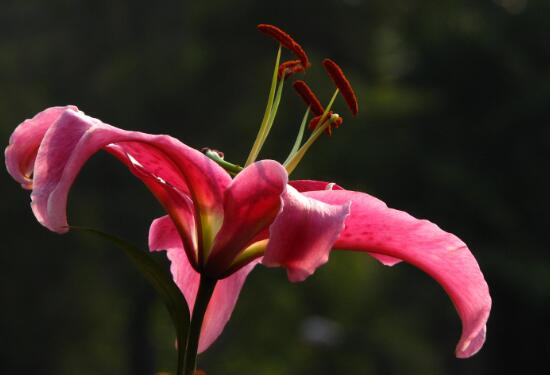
column 301, row 237
column 373, row 227
column 24, row 142
column 313, row 185
column 178, row 205
column 74, row 137
column 222, row 304
column 251, row 203
column 163, row 235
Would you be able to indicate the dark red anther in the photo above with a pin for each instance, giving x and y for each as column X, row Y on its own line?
column 314, row 122
column 342, row 83
column 309, row 97
column 286, row 41
column 288, row 68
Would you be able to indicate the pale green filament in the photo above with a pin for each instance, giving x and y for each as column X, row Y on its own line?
column 274, row 109
column 260, row 138
column 295, row 159
column 299, row 137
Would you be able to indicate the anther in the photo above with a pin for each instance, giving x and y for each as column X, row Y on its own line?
column 315, row 122
column 286, row 41
column 288, row 68
column 340, row 80
column 308, row 97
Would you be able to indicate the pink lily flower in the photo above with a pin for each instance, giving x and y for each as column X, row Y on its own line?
column 222, row 227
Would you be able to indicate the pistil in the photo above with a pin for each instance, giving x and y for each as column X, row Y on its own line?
column 232, row 169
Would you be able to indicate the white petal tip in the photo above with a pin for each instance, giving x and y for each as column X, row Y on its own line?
column 471, row 345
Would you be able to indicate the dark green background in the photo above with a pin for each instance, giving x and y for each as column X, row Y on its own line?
column 454, row 126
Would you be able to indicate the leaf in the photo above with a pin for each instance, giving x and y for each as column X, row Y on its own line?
column 163, row 284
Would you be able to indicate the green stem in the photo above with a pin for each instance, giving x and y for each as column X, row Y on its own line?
column 206, row 288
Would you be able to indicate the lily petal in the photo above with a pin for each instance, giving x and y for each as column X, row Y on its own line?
column 74, row 137
column 163, row 235
column 251, row 203
column 24, row 142
column 313, row 185
column 302, row 235
column 375, row 228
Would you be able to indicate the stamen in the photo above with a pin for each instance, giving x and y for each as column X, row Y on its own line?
column 288, row 68
column 314, row 122
column 335, row 119
column 340, row 80
column 299, row 137
column 273, row 112
column 309, row 97
column 260, row 137
column 325, row 121
column 286, row 41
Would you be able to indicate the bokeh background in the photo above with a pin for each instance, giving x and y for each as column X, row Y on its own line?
column 454, row 126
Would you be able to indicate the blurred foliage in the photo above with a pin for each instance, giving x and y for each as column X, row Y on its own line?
column 454, row 126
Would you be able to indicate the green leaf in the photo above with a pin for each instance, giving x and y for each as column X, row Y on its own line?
column 162, row 281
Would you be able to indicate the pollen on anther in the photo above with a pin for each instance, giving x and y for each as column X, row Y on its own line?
column 308, row 97
column 340, row 80
column 286, row 41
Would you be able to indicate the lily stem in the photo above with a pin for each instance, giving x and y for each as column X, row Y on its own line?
column 206, row 289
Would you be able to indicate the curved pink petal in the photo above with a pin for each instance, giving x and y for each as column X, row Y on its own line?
column 374, row 227
column 164, row 236
column 313, row 185
column 74, row 137
column 150, row 160
column 301, row 237
column 177, row 204
column 251, row 203
column 24, row 142
column 222, row 304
